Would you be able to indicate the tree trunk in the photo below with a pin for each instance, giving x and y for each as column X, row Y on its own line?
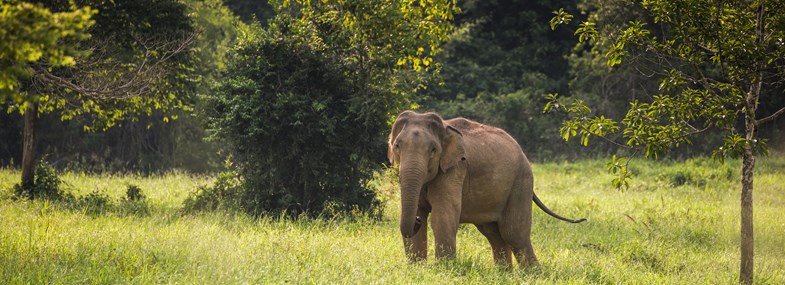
column 746, row 272
column 28, row 147
column 747, row 171
column 747, row 237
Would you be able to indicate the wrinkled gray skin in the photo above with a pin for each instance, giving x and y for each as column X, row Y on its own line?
column 460, row 171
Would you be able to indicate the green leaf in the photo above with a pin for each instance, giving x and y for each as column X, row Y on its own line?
column 586, row 32
column 560, row 17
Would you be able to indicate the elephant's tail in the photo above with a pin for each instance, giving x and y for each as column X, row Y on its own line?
column 545, row 209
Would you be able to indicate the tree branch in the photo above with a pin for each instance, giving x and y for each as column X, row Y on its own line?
column 770, row 118
column 613, row 142
column 101, row 76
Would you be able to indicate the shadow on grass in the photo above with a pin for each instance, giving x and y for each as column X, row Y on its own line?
column 99, row 204
column 470, row 271
column 50, row 188
column 93, row 204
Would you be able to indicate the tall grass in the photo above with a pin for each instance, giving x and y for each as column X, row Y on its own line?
column 677, row 224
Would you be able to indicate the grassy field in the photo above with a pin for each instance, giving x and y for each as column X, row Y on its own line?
column 677, row 224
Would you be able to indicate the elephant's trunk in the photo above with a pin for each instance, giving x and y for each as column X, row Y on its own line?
column 412, row 176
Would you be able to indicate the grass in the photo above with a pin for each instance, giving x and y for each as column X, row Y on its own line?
column 677, row 224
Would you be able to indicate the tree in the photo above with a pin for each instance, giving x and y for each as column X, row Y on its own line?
column 306, row 101
column 32, row 33
column 498, row 45
column 498, row 62
column 126, row 65
column 715, row 60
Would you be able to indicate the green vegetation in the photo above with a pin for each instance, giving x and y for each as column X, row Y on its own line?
column 498, row 62
column 129, row 59
column 677, row 224
column 31, row 33
column 297, row 96
column 304, row 112
column 717, row 63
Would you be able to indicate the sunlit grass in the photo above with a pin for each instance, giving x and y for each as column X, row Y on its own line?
column 677, row 224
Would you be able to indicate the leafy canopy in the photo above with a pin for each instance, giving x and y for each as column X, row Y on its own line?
column 306, row 101
column 134, row 60
column 497, row 63
column 708, row 59
column 31, row 32
column 407, row 31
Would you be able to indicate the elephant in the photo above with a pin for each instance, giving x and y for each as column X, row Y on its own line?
column 461, row 171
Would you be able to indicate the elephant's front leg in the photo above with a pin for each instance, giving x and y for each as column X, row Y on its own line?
column 445, row 216
column 444, row 223
column 445, row 194
column 416, row 247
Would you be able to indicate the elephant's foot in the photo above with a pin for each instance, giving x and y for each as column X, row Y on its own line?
column 444, row 252
column 416, row 248
column 526, row 257
column 527, row 264
column 416, row 258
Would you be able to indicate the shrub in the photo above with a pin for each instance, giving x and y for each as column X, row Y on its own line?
column 225, row 193
column 134, row 193
column 94, row 203
column 387, row 189
column 303, row 134
column 135, row 202
column 46, row 183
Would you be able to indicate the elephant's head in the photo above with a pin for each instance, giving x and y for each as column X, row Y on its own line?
column 422, row 145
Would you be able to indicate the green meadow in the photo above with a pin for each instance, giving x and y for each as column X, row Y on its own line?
column 678, row 223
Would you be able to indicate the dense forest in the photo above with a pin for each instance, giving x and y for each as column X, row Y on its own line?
column 497, row 65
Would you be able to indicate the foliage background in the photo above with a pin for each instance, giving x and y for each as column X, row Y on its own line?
column 499, row 62
column 284, row 111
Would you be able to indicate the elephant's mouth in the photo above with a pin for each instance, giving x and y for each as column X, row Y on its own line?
column 417, row 224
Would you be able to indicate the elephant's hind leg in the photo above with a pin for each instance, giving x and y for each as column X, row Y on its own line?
column 502, row 254
column 516, row 223
column 522, row 248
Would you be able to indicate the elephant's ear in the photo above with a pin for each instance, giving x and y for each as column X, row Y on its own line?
column 390, row 147
column 452, row 149
column 398, row 125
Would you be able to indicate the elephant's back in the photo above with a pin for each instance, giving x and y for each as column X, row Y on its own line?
column 489, row 150
column 485, row 137
column 474, row 129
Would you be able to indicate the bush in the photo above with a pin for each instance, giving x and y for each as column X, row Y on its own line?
column 46, row 183
column 305, row 135
column 386, row 185
column 134, row 193
column 225, row 193
column 94, row 203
